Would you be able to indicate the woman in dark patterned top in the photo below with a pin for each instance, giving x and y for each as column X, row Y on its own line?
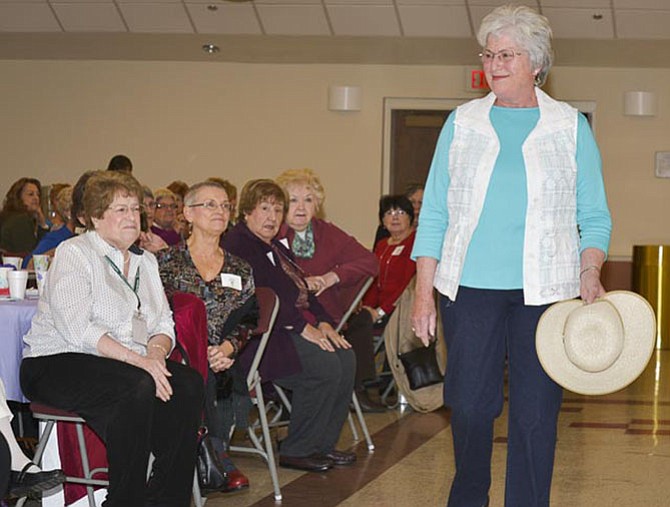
column 225, row 284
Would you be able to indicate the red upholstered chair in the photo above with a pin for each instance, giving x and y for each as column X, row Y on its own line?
column 87, row 469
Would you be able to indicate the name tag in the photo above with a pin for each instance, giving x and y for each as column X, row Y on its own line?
column 231, row 281
column 139, row 329
column 271, row 257
column 398, row 250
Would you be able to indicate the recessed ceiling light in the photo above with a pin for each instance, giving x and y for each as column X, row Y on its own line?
column 210, row 48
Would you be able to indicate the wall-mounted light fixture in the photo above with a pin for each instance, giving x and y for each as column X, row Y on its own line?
column 344, row 98
column 639, row 103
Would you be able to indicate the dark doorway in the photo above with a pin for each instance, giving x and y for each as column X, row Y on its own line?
column 414, row 135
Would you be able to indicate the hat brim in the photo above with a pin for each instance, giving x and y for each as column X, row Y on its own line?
column 639, row 325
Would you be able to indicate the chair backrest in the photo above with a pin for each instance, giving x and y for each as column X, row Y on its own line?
column 268, row 306
column 190, row 318
column 351, row 297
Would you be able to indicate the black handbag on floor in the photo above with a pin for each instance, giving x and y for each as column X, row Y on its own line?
column 211, row 475
column 420, row 365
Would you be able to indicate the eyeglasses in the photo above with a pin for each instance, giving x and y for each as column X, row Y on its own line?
column 394, row 212
column 160, row 205
column 212, row 205
column 123, row 210
column 506, row 55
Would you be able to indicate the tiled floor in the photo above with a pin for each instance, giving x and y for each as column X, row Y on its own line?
column 613, row 451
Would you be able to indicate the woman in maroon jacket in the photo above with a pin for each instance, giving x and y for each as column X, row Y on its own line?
column 332, row 262
column 304, row 353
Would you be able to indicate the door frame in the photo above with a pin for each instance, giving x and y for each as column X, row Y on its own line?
column 587, row 107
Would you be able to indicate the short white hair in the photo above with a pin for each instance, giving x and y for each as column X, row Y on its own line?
column 528, row 28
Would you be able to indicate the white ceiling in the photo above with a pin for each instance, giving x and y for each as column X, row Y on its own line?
column 581, row 19
column 586, row 32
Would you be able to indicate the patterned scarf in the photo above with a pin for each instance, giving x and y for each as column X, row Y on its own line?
column 295, row 274
column 303, row 248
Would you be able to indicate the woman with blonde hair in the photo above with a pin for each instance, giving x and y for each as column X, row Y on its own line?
column 304, row 353
column 332, row 261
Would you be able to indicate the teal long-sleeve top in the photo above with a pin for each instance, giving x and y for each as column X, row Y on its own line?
column 494, row 259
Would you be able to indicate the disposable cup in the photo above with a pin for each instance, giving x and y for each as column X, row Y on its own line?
column 4, row 281
column 41, row 281
column 17, row 284
column 14, row 261
column 41, row 262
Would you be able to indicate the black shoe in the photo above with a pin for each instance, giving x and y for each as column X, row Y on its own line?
column 368, row 405
column 25, row 483
column 314, row 463
column 341, row 458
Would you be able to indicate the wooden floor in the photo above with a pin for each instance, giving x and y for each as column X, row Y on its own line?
column 613, row 451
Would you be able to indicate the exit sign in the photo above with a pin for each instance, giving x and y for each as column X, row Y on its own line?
column 475, row 80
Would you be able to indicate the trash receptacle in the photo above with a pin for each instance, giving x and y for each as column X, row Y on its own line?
column 651, row 279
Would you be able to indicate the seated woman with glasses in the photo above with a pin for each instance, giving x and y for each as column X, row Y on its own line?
column 304, row 354
column 225, row 284
column 396, row 268
column 98, row 346
column 165, row 216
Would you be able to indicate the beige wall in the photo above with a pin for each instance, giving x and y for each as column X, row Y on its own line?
column 188, row 121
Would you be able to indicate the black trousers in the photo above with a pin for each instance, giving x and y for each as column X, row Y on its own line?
column 5, row 466
column 321, row 397
column 359, row 333
column 119, row 402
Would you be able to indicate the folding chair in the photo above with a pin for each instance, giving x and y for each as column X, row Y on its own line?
column 268, row 303
column 357, row 293
column 190, row 324
column 51, row 416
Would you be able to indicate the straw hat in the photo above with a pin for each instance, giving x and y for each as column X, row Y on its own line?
column 597, row 348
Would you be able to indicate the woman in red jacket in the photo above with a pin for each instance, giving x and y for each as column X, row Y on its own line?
column 396, row 268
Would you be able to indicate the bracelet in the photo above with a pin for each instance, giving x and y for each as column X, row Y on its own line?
column 589, row 268
column 156, row 346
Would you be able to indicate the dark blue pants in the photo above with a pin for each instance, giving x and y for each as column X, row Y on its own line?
column 481, row 329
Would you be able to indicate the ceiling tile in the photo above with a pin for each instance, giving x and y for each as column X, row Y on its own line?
column 434, row 21
column 643, row 24
column 156, row 17
column 490, row 4
column 431, row 2
column 145, row 1
column 228, row 18
column 27, row 17
column 575, row 3
column 580, row 23
column 284, row 2
column 642, row 4
column 359, row 2
column 80, row 1
column 92, row 17
column 293, row 19
column 363, row 20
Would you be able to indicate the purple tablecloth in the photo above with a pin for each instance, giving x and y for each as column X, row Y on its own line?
column 15, row 319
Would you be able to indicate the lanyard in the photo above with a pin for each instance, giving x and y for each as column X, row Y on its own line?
column 125, row 280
